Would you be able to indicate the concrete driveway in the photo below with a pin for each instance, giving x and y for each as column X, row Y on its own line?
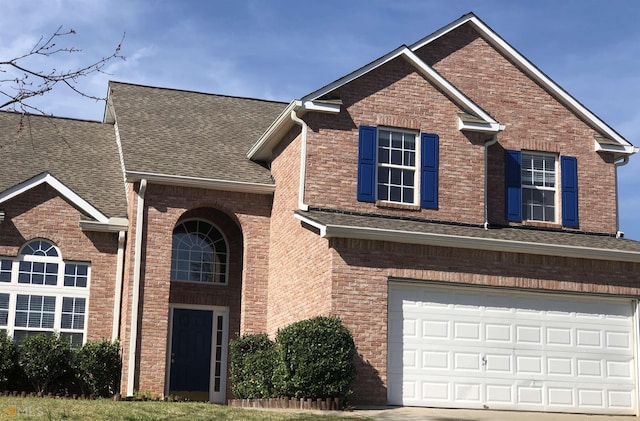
column 431, row 414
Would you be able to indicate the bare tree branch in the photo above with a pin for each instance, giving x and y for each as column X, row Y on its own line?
column 22, row 82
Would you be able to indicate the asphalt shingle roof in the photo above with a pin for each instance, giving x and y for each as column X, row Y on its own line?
column 526, row 235
column 182, row 133
column 81, row 154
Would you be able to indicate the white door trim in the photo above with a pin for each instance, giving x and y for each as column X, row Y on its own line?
column 216, row 311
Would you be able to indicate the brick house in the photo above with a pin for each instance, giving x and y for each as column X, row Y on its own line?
column 452, row 204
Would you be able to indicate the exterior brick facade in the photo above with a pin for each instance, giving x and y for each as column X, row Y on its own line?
column 283, row 265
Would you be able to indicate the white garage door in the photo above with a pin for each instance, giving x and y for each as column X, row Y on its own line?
column 482, row 348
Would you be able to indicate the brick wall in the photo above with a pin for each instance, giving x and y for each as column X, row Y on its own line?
column 361, row 270
column 534, row 120
column 299, row 266
column 42, row 213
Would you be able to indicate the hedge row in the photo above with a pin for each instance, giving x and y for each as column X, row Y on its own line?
column 47, row 364
column 312, row 358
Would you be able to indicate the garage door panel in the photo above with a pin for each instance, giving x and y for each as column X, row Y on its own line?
column 467, row 348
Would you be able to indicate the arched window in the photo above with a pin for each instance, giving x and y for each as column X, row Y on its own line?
column 199, row 253
column 39, row 263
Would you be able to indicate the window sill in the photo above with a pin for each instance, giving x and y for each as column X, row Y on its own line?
column 393, row 205
column 541, row 224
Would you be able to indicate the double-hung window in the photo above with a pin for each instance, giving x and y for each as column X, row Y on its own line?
column 397, row 166
column 538, row 180
column 41, row 293
column 538, row 184
column 397, row 171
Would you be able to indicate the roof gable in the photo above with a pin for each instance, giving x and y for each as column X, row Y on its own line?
column 66, row 192
column 482, row 118
column 81, row 155
column 609, row 141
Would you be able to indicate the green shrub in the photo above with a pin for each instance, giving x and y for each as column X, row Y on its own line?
column 252, row 365
column 98, row 366
column 316, row 359
column 8, row 360
column 45, row 360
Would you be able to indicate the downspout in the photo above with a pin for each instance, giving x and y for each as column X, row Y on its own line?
column 625, row 161
column 117, row 297
column 133, row 339
column 303, row 160
column 486, row 179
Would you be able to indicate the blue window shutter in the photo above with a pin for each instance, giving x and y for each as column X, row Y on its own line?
column 429, row 170
column 513, row 192
column 367, row 164
column 569, row 174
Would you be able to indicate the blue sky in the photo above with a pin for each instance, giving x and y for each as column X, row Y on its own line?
column 282, row 49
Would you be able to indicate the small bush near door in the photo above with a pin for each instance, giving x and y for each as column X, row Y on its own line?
column 98, row 367
column 253, row 361
column 315, row 359
column 310, row 359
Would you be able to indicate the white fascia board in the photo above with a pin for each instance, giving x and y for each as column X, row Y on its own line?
column 475, row 243
column 529, row 68
column 320, row 227
column 113, row 225
column 616, row 149
column 204, row 183
column 321, row 107
column 64, row 191
column 355, row 74
column 261, row 150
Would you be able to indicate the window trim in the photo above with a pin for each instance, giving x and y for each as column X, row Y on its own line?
column 556, row 189
column 416, row 168
column 228, row 254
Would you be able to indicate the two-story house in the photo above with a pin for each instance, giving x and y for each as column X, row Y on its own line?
column 448, row 201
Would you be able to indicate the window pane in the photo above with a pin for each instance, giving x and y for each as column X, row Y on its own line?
column 383, row 192
column 4, row 309
column 396, row 157
column 396, row 176
column 5, row 270
column 408, row 178
column 407, row 195
column 395, row 194
column 383, row 155
column 66, row 321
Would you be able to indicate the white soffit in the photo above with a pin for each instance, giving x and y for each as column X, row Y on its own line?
column 532, row 71
column 65, row 191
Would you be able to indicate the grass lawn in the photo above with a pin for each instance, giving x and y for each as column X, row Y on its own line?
column 102, row 409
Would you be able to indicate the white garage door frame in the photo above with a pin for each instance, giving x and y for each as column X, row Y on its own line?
column 468, row 370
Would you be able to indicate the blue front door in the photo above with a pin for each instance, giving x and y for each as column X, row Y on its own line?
column 190, row 374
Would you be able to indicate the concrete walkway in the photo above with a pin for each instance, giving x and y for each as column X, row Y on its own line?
column 432, row 414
